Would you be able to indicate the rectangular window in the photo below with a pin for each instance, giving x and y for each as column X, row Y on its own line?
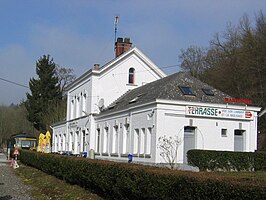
column 186, row 90
column 142, row 141
column 56, row 143
column 115, row 140
column 70, row 143
column 148, row 142
column 126, row 141
column 64, row 142
column 84, row 105
column 223, row 132
column 105, row 140
column 136, row 141
column 77, row 143
column 208, row 91
column 72, row 108
column 83, row 142
column 98, row 140
column 124, row 148
column 77, row 107
column 60, row 143
column 239, row 132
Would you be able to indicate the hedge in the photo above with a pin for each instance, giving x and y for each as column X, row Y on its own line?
column 130, row 181
column 227, row 160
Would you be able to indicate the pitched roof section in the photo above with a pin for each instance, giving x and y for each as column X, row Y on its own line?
column 137, row 52
column 168, row 88
column 113, row 62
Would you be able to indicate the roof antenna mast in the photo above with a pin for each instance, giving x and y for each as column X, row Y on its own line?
column 116, row 23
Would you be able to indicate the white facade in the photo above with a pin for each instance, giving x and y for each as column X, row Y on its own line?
column 208, row 131
column 137, row 129
column 146, row 123
column 96, row 89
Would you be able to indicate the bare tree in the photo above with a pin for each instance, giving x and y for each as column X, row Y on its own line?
column 65, row 76
column 193, row 60
column 169, row 147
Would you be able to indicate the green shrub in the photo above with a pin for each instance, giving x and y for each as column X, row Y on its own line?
column 260, row 161
column 227, row 160
column 130, row 181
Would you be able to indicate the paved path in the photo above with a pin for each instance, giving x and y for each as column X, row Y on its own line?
column 11, row 187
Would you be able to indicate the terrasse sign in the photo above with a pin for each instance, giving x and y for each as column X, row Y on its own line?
column 219, row 112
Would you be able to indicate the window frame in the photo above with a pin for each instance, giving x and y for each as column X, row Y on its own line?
column 136, row 140
column 224, row 132
column 185, row 92
column 97, row 142
column 131, row 76
column 208, row 91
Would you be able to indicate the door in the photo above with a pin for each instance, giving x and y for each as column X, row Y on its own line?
column 189, row 141
column 239, row 140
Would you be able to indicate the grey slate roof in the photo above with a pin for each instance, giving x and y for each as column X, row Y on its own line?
column 168, row 89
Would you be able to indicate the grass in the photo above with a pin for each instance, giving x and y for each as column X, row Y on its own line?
column 258, row 176
column 45, row 186
column 248, row 178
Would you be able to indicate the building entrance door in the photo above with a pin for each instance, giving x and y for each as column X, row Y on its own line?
column 189, row 141
column 239, row 140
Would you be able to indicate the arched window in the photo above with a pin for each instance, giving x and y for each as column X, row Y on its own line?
column 131, row 76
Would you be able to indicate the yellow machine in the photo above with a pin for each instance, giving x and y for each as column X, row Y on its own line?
column 44, row 144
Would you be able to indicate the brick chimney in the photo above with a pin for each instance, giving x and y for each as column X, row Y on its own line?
column 122, row 46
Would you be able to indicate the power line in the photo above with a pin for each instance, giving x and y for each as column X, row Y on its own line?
column 12, row 82
column 170, row 66
column 18, row 84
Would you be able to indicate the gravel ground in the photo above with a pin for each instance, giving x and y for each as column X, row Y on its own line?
column 11, row 186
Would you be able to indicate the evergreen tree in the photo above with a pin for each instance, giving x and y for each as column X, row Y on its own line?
column 45, row 91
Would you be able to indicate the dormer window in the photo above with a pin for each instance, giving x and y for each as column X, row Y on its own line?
column 186, row 90
column 208, row 91
column 135, row 99
column 131, row 76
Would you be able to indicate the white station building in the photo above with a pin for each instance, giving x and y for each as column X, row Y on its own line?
column 125, row 106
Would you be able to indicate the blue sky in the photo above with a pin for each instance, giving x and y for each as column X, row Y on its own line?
column 79, row 33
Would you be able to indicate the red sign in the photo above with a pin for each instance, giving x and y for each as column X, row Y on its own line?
column 234, row 100
column 248, row 114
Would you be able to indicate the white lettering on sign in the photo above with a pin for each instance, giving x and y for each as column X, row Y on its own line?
column 218, row 112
